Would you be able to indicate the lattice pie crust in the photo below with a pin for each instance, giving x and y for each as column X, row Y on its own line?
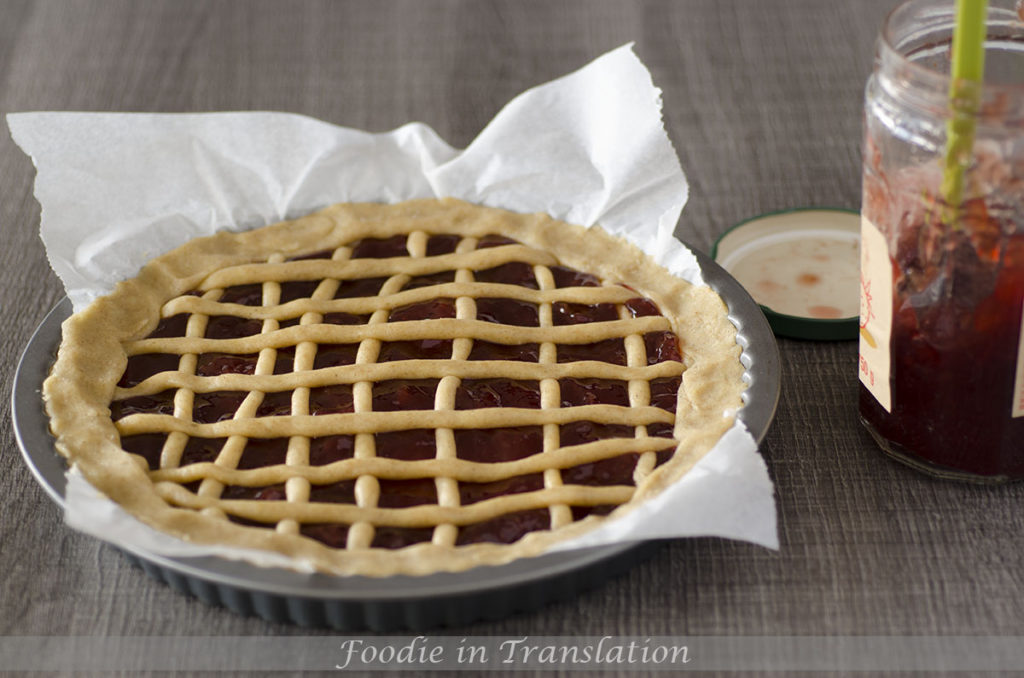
column 383, row 389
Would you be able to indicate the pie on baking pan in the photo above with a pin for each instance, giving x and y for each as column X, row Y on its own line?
column 381, row 389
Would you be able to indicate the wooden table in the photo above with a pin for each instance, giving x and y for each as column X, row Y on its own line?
column 763, row 103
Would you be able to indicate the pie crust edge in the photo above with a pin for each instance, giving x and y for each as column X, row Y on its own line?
column 91, row 359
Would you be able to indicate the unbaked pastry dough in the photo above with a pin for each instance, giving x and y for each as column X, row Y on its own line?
column 381, row 389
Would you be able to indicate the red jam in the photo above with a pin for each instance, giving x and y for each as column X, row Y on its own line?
column 492, row 445
column 953, row 367
column 955, row 339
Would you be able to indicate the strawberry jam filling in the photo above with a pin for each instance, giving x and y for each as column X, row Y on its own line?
column 483, row 445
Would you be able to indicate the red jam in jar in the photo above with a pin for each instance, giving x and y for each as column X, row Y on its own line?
column 956, row 401
column 942, row 285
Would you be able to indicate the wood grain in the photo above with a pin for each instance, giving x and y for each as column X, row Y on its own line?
column 762, row 101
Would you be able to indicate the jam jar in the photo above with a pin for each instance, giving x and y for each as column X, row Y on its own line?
column 942, row 285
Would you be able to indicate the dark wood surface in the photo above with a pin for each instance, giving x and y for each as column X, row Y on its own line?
column 763, row 103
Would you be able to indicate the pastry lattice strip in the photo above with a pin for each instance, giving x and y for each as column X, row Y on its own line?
column 462, row 470
column 447, row 485
column 405, row 369
column 577, row 295
column 379, row 422
column 442, row 328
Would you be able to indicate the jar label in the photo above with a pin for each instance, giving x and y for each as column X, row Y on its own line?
column 875, row 312
column 1018, row 383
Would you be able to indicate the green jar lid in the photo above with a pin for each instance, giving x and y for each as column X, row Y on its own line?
column 802, row 266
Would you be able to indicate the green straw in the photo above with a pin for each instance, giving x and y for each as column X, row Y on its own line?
column 964, row 99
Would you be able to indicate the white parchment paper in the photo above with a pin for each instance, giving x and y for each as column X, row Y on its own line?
column 117, row 189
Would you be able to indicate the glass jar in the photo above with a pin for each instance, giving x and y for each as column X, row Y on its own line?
column 942, row 286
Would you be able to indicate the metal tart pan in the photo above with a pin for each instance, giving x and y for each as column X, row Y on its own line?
column 399, row 602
